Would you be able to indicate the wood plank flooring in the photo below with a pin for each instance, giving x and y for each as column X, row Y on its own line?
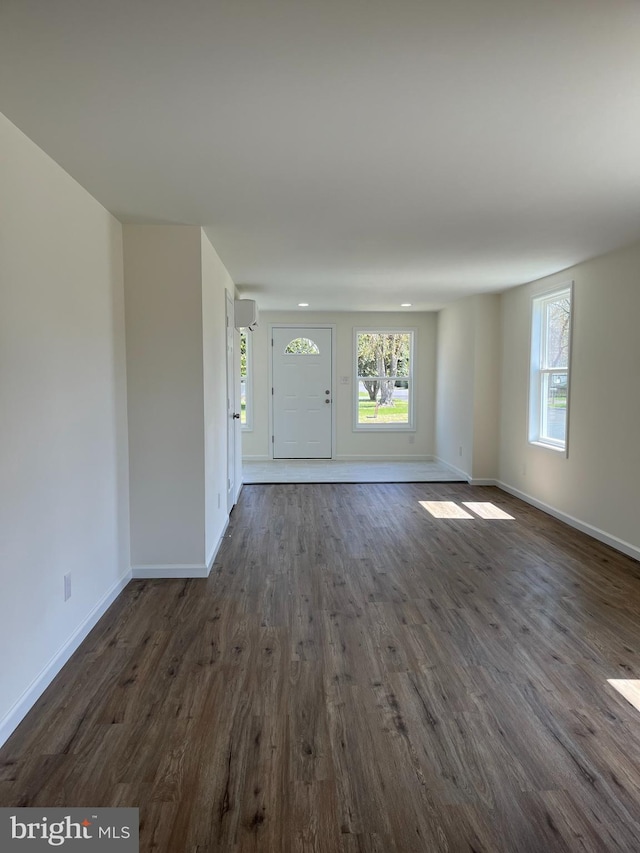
column 358, row 675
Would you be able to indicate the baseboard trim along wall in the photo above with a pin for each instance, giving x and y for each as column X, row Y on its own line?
column 382, row 459
column 595, row 532
column 40, row 683
column 188, row 570
column 350, row 458
column 216, row 547
column 458, row 471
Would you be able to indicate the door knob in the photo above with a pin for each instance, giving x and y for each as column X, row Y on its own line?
column 327, row 401
column 327, row 391
column 236, row 416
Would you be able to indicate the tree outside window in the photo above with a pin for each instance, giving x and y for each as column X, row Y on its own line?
column 245, row 380
column 384, row 393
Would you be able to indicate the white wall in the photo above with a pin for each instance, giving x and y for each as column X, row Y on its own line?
column 468, row 386
column 454, row 395
column 350, row 444
column 486, row 387
column 216, row 282
column 63, row 418
column 598, row 483
column 163, row 293
column 175, row 287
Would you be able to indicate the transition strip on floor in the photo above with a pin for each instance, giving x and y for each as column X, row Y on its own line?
column 337, row 471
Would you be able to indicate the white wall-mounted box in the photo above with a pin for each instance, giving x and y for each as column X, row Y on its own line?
column 246, row 314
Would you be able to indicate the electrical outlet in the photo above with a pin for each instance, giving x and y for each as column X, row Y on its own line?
column 67, row 586
column 412, row 439
column 218, row 500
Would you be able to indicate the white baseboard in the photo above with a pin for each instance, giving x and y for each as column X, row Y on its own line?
column 453, row 468
column 595, row 532
column 20, row 709
column 350, row 458
column 190, row 570
column 473, row 481
column 382, row 459
column 180, row 570
column 216, row 547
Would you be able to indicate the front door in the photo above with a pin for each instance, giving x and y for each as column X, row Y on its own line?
column 302, row 393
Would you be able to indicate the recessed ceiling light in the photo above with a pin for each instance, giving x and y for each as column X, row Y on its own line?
column 405, row 305
column 303, row 304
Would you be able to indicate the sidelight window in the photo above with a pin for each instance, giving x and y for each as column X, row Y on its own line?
column 246, row 381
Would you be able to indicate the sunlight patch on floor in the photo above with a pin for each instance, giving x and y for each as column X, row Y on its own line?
column 629, row 688
column 450, row 509
column 445, row 509
column 485, row 509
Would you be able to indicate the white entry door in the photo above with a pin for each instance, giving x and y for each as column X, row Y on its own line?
column 302, row 393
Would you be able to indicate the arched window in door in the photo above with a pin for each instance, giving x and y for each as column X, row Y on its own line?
column 302, row 346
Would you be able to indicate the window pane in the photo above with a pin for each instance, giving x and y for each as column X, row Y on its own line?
column 556, row 345
column 302, row 346
column 549, row 378
column 243, row 355
column 383, row 401
column 245, row 380
column 243, row 401
column 554, row 407
column 384, row 354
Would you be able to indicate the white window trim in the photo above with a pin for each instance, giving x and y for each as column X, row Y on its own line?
column 248, row 425
column 411, row 426
column 536, row 372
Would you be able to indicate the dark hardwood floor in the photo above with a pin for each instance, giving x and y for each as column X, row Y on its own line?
column 357, row 675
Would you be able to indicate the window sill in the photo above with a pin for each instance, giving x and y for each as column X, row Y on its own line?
column 548, row 446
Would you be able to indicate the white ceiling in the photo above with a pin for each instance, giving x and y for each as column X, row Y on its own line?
column 347, row 153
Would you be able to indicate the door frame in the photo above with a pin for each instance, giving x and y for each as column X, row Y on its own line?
column 303, row 325
column 233, row 430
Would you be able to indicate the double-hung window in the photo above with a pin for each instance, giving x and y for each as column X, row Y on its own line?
column 550, row 368
column 384, row 387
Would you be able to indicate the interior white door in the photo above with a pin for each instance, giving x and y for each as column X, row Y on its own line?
column 302, row 393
